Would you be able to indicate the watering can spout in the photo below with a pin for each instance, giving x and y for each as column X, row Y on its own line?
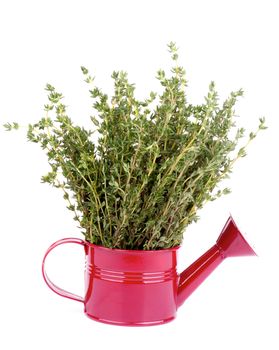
column 229, row 244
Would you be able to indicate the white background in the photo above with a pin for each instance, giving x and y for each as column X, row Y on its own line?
column 234, row 43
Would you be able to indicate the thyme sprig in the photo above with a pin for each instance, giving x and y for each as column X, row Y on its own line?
column 152, row 168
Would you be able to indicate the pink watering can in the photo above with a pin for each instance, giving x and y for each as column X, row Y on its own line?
column 142, row 287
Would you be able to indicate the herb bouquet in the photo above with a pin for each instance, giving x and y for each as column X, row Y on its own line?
column 155, row 164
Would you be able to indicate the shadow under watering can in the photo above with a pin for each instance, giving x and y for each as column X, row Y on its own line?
column 142, row 288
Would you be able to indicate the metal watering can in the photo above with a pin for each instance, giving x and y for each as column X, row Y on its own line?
column 142, row 288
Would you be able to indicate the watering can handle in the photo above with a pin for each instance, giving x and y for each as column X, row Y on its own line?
column 49, row 283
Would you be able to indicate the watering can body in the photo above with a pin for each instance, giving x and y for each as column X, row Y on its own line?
column 139, row 288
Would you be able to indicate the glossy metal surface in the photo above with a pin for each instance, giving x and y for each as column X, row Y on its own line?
column 50, row 284
column 130, row 287
column 140, row 288
column 230, row 243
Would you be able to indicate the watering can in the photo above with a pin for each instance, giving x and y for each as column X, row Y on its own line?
column 142, row 287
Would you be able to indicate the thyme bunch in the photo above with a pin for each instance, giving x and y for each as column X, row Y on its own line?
column 156, row 162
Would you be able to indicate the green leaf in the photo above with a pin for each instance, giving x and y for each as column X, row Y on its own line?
column 242, row 152
column 154, row 164
column 8, row 126
column 84, row 70
column 126, row 168
column 95, row 121
column 252, row 135
column 49, row 88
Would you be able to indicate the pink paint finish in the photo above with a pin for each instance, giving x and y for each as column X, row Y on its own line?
column 141, row 288
column 230, row 243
